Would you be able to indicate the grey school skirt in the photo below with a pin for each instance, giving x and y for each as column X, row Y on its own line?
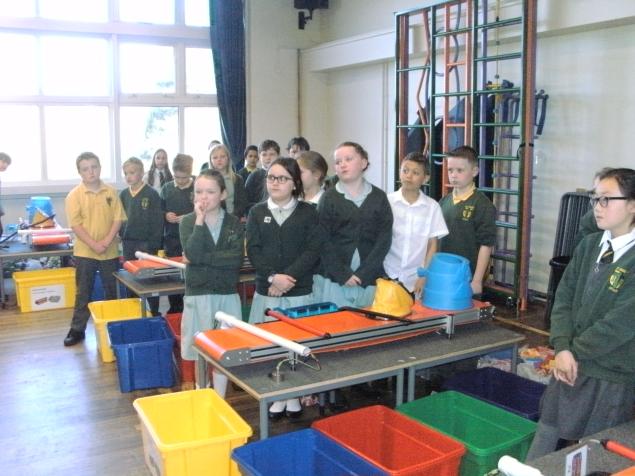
column 591, row 405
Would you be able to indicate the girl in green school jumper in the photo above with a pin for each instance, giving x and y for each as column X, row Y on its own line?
column 213, row 243
column 283, row 244
column 357, row 220
column 593, row 325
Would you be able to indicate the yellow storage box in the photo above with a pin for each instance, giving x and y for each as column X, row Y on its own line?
column 193, row 432
column 45, row 289
column 104, row 312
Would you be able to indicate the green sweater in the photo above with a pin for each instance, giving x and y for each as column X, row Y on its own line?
column 293, row 248
column 213, row 268
column 367, row 229
column 471, row 223
column 145, row 217
column 176, row 200
column 596, row 321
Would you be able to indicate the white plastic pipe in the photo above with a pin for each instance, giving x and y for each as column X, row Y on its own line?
column 168, row 262
column 44, row 231
column 231, row 321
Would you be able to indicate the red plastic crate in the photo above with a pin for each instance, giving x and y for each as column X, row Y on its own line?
column 393, row 442
column 186, row 367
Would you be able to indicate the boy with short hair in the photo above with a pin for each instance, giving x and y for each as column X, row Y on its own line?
column 417, row 226
column 94, row 213
column 143, row 231
column 177, row 200
column 296, row 146
column 5, row 161
column 469, row 215
column 268, row 151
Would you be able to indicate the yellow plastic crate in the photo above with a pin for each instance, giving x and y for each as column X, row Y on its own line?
column 45, row 289
column 193, row 432
column 104, row 312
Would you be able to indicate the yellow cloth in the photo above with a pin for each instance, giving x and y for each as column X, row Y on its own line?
column 461, row 198
column 96, row 212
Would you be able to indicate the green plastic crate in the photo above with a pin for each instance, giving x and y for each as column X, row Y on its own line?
column 488, row 432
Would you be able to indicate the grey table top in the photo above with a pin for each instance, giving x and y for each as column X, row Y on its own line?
column 17, row 249
column 598, row 459
column 340, row 367
column 164, row 285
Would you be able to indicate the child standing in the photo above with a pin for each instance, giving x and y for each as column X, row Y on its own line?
column 213, row 243
column 143, row 231
column 268, row 151
column 357, row 220
column 159, row 173
column 94, row 213
column 297, row 145
column 250, row 157
column 176, row 201
column 592, row 326
column 469, row 215
column 283, row 244
column 236, row 197
column 5, row 161
column 417, row 224
column 314, row 169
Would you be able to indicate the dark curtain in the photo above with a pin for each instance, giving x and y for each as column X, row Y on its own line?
column 227, row 33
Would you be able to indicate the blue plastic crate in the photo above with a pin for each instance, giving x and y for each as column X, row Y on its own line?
column 300, row 453
column 143, row 348
column 503, row 389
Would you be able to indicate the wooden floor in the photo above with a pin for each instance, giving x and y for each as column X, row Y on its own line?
column 61, row 411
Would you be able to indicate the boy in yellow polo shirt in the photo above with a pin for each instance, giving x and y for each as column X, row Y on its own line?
column 94, row 212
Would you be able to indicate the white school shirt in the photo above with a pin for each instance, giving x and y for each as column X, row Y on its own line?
column 413, row 225
column 620, row 244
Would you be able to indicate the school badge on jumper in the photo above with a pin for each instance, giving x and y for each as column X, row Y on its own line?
column 468, row 211
column 616, row 280
column 267, row 220
column 145, row 203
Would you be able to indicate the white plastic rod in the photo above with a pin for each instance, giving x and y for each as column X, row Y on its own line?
column 44, row 231
column 231, row 321
column 168, row 262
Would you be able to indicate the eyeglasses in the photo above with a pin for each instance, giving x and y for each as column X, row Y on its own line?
column 281, row 179
column 604, row 201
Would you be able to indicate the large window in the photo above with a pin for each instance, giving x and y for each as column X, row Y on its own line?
column 120, row 78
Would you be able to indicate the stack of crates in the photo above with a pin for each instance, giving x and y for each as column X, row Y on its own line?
column 397, row 445
column 186, row 367
column 503, row 389
column 143, row 348
column 191, row 432
column 487, row 431
column 104, row 312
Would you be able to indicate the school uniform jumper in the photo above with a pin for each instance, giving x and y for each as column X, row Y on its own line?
column 211, row 276
column 593, row 318
column 358, row 237
column 472, row 224
column 289, row 246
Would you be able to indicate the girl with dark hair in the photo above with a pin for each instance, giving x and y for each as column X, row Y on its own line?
column 159, row 173
column 283, row 244
column 593, row 324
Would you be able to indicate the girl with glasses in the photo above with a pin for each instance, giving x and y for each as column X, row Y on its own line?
column 283, row 244
column 593, row 325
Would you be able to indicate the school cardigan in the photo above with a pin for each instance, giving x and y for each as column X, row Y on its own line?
column 176, row 200
column 367, row 228
column 595, row 318
column 292, row 248
column 145, row 217
column 213, row 268
column 471, row 224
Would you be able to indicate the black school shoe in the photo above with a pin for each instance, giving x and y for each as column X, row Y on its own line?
column 74, row 337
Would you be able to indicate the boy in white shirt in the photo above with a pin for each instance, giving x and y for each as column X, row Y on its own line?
column 417, row 224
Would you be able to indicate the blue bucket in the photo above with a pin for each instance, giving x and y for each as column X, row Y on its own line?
column 447, row 283
column 43, row 204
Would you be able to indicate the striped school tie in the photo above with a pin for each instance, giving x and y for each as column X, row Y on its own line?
column 161, row 179
column 607, row 256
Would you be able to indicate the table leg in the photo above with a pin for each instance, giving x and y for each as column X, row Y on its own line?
column 264, row 420
column 399, row 396
column 2, row 303
column 202, row 372
column 412, row 373
column 514, row 358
